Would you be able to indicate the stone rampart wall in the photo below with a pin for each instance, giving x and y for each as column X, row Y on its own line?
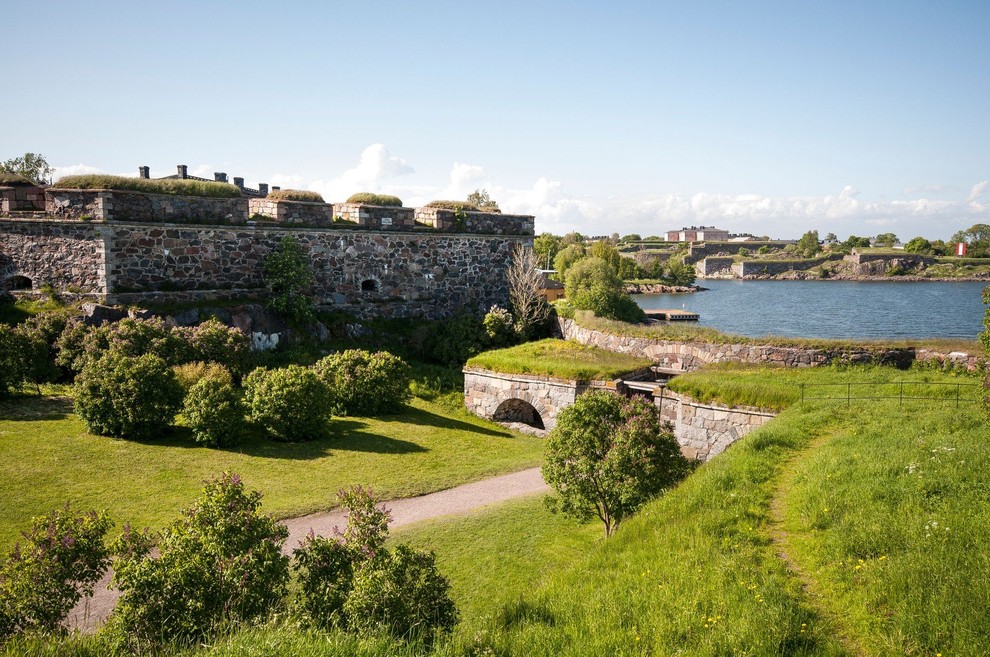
column 747, row 268
column 292, row 212
column 701, row 250
column 714, row 266
column 67, row 256
column 116, row 205
column 377, row 217
column 688, row 356
column 705, row 430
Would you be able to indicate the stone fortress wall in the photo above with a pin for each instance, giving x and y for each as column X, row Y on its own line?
column 371, row 261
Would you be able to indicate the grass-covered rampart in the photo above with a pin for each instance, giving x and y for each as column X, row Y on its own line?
column 174, row 186
column 559, row 359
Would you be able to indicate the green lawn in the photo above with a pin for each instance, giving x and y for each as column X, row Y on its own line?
column 47, row 458
column 559, row 359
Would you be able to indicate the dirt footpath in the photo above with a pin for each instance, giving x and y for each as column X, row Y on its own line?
column 91, row 612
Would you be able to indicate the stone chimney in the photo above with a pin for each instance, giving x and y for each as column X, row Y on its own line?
column 275, row 188
column 183, row 169
column 239, row 182
column 144, row 172
column 220, row 176
column 262, row 190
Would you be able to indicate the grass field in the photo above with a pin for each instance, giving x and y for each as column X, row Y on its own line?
column 559, row 359
column 48, row 458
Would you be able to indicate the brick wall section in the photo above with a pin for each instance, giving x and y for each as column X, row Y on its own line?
column 103, row 205
column 476, row 222
column 64, row 255
column 378, row 217
column 22, row 198
column 292, row 212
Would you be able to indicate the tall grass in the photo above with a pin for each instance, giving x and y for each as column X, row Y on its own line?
column 295, row 195
column 559, row 359
column 174, row 186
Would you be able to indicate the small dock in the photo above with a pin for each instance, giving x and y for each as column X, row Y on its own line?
column 668, row 315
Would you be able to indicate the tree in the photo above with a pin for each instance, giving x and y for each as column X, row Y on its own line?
column 854, row 242
column 631, row 237
column 607, row 252
column 808, row 244
column 566, row 258
column 483, row 201
column 30, row 165
column 525, row 282
column 886, row 239
column 546, row 247
column 628, row 269
column 591, row 284
column 977, row 237
column 918, row 245
column 831, row 237
column 288, row 273
column 679, row 272
column 608, row 455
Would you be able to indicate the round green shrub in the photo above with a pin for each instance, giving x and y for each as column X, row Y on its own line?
column 402, row 593
column 365, row 383
column 214, row 411
column 214, row 342
column 11, row 346
column 369, row 198
column 295, row 195
column 500, row 328
column 291, row 403
column 130, row 397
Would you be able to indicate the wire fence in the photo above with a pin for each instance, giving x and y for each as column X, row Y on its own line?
column 902, row 391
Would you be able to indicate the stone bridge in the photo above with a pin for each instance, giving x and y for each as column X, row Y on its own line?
column 522, row 398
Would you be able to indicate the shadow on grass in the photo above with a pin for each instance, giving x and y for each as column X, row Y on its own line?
column 422, row 417
column 31, row 408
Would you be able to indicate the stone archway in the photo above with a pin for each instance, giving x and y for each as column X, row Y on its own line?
column 518, row 410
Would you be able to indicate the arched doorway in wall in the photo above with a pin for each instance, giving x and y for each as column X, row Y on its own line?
column 17, row 283
column 518, row 410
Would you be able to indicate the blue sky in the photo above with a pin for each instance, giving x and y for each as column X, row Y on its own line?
column 762, row 117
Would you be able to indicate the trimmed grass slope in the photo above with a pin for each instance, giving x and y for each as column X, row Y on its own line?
column 560, row 359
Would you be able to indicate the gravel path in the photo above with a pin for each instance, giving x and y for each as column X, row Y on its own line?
column 91, row 612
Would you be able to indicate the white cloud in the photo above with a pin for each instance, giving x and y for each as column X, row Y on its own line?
column 375, row 167
column 75, row 170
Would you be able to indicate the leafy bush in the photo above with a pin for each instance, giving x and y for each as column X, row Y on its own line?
column 365, row 383
column 453, row 205
column 220, row 563
column 70, row 346
column 607, row 455
column 40, row 333
column 214, row 411
column 11, row 348
column 499, row 328
column 592, row 285
column 131, row 397
column 326, row 565
column 291, row 403
column 177, row 187
column 295, row 195
column 214, row 341
column 402, row 593
column 63, row 557
column 80, row 344
column 189, row 374
column 369, row 198
column 288, row 273
column 451, row 341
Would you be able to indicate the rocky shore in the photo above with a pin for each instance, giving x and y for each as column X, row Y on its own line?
column 660, row 288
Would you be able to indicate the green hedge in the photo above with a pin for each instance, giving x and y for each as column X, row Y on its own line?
column 174, row 186
column 369, row 198
column 296, row 195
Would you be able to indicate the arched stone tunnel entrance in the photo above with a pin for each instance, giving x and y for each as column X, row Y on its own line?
column 518, row 410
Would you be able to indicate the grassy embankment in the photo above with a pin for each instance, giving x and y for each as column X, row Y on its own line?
column 182, row 187
column 559, row 359
column 47, row 458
